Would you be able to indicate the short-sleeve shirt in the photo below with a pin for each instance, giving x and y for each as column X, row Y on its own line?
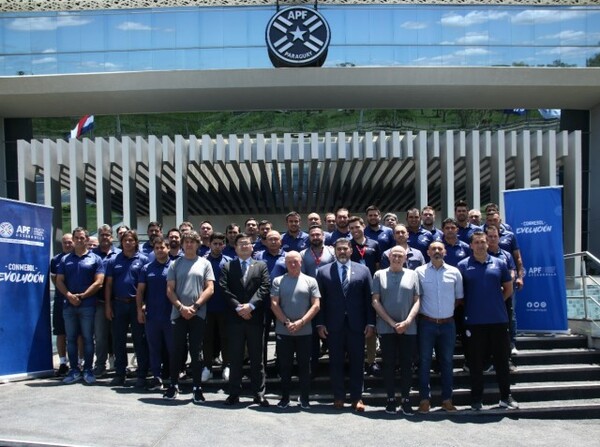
column 125, row 273
column 414, row 258
column 482, row 282
column 154, row 275
column 217, row 303
column 420, row 240
column 297, row 243
column 457, row 252
column 383, row 235
column 367, row 254
column 440, row 288
column 79, row 273
column 396, row 292
column 190, row 276
column 311, row 262
column 295, row 294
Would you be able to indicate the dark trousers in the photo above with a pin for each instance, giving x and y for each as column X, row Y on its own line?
column 215, row 326
column 353, row 343
column 397, row 348
column 240, row 333
column 486, row 339
column 287, row 346
column 159, row 334
column 125, row 316
column 193, row 331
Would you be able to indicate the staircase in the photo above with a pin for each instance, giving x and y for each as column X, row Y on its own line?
column 556, row 377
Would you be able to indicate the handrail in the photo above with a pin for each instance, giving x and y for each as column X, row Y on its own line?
column 584, row 279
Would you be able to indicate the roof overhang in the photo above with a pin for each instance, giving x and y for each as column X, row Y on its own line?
column 300, row 88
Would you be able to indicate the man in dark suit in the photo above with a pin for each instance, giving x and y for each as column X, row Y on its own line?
column 246, row 287
column 346, row 318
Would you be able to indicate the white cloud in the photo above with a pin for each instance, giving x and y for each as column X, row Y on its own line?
column 49, row 51
column 545, row 16
column 44, row 60
column 472, row 18
column 46, row 23
column 456, row 58
column 473, row 39
column 133, row 26
column 472, row 52
column 413, row 25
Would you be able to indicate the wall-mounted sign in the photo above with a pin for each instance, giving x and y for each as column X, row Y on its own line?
column 298, row 36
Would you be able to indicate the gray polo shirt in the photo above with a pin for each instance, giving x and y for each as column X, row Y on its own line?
column 440, row 288
column 396, row 292
column 294, row 299
column 311, row 263
column 190, row 275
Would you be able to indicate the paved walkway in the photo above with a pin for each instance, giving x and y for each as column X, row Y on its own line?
column 43, row 411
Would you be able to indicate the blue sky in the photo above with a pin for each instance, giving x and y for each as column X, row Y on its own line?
column 208, row 38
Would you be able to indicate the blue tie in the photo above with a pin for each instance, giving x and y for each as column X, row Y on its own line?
column 244, row 270
column 345, row 279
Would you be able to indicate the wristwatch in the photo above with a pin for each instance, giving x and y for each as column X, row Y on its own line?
column 195, row 306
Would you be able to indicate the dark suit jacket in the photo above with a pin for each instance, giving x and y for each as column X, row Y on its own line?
column 256, row 291
column 335, row 306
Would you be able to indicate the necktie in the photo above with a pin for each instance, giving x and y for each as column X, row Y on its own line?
column 244, row 269
column 345, row 279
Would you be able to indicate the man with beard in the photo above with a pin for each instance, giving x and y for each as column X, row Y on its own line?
column 341, row 227
column 294, row 238
column 418, row 237
column 428, row 222
column 465, row 228
column 374, row 230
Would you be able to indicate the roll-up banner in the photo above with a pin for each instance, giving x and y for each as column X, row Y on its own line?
column 25, row 335
column 535, row 215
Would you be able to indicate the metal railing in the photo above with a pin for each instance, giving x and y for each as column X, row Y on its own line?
column 585, row 281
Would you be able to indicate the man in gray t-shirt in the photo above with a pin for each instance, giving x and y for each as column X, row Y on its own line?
column 294, row 301
column 396, row 300
column 190, row 284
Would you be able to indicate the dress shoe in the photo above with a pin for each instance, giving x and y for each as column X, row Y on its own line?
column 448, row 406
column 338, row 404
column 425, row 406
column 232, row 400
column 358, row 406
column 261, row 401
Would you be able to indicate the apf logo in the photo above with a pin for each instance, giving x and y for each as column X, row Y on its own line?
column 6, row 229
column 298, row 37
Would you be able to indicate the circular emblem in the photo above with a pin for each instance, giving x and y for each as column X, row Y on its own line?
column 6, row 229
column 298, row 37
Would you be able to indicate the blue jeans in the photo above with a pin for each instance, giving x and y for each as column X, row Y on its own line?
column 80, row 320
column 442, row 337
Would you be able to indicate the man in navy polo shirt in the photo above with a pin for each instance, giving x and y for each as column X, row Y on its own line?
column 206, row 229
column 456, row 250
column 154, row 229
column 294, row 238
column 154, row 308
column 413, row 259
column 374, row 230
column 231, row 232
column 79, row 277
column 122, row 273
column 428, row 222
column 341, row 227
column 465, row 227
column 418, row 237
column 215, row 312
column 264, row 226
column 487, row 284
column 58, row 322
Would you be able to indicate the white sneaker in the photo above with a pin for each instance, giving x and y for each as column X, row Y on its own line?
column 226, row 374
column 514, row 351
column 509, row 404
column 206, row 374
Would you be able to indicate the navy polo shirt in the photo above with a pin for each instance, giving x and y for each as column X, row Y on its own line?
column 53, row 270
column 125, row 273
column 384, row 237
column 464, row 234
column 482, row 281
column 154, row 275
column 79, row 273
column 217, row 304
column 506, row 257
column 456, row 253
column 230, row 251
column 420, row 240
column 367, row 254
column 335, row 235
column 275, row 263
column 298, row 243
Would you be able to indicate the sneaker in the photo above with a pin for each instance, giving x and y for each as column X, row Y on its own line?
column 509, row 403
column 514, row 351
column 99, row 371
column 206, row 374
column 197, row 395
column 156, row 384
column 226, row 374
column 118, row 381
column 88, row 377
column 283, row 403
column 512, row 367
column 406, row 408
column 424, row 406
column 448, row 406
column 390, row 407
column 63, row 370
column 111, row 362
column 304, row 403
column 73, row 376
column 489, row 369
column 171, row 392
column 140, row 382
column 476, row 406
column 466, row 369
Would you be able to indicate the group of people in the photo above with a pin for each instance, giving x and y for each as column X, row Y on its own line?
column 194, row 294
